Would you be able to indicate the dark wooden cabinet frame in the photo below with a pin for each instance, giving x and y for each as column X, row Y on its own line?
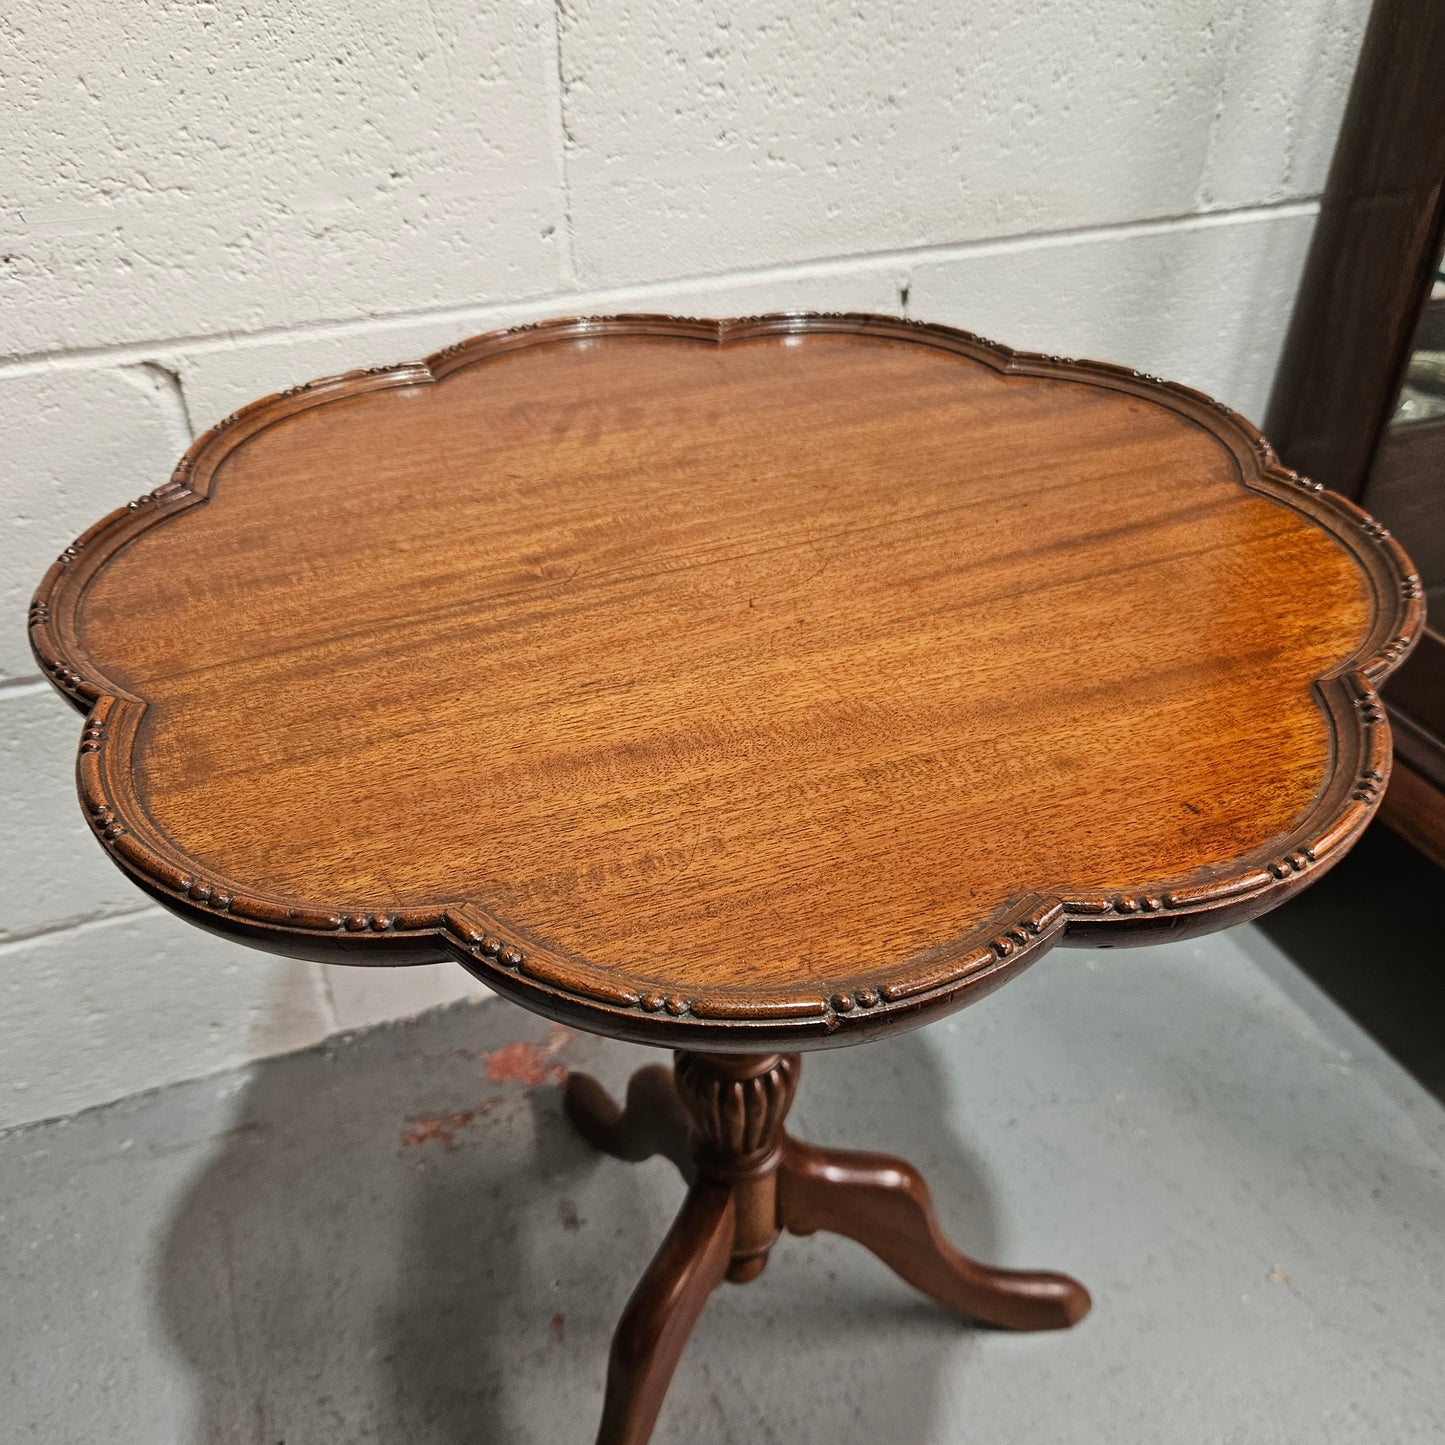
column 1376, row 249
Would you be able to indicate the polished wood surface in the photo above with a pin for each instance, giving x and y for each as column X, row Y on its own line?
column 749, row 1181
column 727, row 684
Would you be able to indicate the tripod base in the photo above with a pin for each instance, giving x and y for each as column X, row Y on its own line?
column 719, row 1118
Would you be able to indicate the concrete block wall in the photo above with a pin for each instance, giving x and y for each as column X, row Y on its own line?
column 205, row 202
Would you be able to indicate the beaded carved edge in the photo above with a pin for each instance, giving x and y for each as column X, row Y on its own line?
column 625, row 1005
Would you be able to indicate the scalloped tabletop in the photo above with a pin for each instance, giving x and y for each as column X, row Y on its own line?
column 724, row 684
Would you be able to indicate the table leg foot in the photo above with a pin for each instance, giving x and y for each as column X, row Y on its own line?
column 884, row 1205
column 655, row 1326
column 654, row 1120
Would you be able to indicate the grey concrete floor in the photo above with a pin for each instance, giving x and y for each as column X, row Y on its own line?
column 397, row 1238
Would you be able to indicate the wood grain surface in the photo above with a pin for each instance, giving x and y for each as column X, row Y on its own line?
column 733, row 682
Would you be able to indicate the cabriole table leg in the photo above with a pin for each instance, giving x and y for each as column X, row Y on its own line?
column 659, row 1317
column 720, row 1119
column 884, row 1205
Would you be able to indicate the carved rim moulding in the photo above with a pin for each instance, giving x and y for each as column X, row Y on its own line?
column 896, row 993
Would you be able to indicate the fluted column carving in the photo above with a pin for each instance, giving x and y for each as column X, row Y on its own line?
column 738, row 1104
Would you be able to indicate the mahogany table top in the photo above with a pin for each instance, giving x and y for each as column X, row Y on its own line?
column 729, row 684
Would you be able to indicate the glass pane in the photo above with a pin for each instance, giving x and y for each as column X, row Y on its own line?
column 1422, row 398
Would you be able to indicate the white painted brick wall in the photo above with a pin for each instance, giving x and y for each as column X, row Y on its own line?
column 204, row 202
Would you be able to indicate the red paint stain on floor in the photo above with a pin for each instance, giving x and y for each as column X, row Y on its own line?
column 559, row 1326
column 442, row 1128
column 528, row 1063
column 524, row 1062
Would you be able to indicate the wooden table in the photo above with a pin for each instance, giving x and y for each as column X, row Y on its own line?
column 745, row 687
